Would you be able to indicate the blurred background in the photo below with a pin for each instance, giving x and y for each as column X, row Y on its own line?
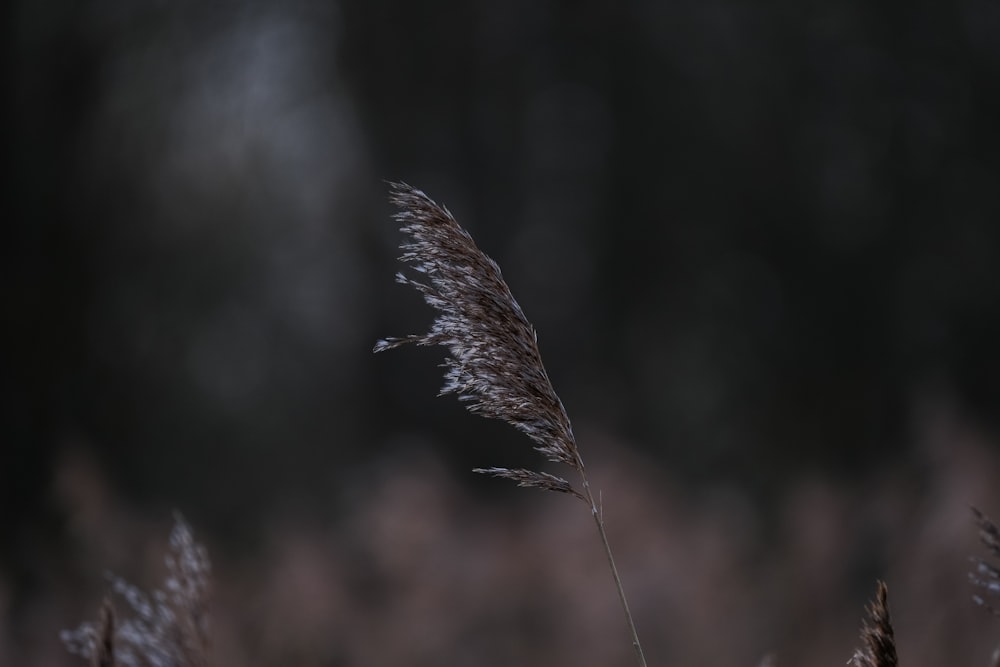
column 759, row 242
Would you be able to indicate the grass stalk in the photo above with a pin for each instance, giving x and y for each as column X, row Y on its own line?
column 598, row 513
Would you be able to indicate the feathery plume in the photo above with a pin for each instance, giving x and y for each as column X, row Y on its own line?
column 494, row 363
column 169, row 627
column 876, row 634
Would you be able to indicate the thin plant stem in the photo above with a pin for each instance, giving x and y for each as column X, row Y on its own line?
column 599, row 520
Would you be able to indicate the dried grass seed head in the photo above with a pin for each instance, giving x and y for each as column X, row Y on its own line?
column 879, row 644
column 167, row 628
column 494, row 361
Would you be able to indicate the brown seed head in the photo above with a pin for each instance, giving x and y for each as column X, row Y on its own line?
column 876, row 634
column 494, row 361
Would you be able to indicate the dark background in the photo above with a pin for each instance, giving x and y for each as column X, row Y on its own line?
column 759, row 241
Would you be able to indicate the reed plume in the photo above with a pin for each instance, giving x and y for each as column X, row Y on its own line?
column 494, row 364
column 879, row 645
column 169, row 627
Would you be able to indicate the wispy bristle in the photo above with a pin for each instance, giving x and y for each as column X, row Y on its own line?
column 879, row 646
column 494, row 361
column 532, row 479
